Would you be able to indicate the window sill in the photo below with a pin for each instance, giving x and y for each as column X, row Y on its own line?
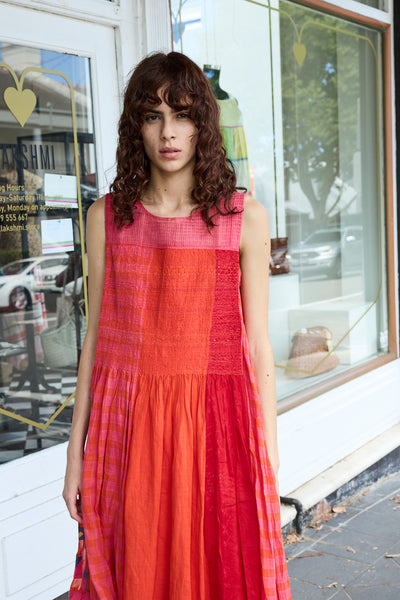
column 335, row 381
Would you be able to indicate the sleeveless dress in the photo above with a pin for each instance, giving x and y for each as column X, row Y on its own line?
column 178, row 495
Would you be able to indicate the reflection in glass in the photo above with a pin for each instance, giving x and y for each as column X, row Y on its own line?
column 309, row 88
column 44, row 199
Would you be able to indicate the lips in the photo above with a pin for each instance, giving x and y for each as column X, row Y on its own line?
column 169, row 150
column 169, row 153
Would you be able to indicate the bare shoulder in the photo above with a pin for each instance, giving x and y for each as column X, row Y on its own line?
column 255, row 223
column 97, row 209
column 96, row 215
column 253, row 210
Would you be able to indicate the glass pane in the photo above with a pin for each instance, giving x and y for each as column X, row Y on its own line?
column 47, row 182
column 382, row 4
column 304, row 91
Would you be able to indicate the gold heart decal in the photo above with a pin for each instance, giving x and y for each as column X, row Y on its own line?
column 21, row 103
column 300, row 52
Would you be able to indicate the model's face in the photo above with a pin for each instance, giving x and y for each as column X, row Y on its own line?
column 169, row 138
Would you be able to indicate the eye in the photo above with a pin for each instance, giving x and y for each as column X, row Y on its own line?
column 151, row 117
column 183, row 115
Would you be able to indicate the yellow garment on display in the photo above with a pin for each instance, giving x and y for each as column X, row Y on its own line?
column 231, row 124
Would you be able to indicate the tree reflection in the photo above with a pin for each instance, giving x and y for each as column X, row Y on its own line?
column 319, row 102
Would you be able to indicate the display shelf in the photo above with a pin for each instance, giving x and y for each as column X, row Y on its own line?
column 284, row 294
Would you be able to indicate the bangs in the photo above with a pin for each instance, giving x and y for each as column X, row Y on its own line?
column 177, row 96
column 174, row 95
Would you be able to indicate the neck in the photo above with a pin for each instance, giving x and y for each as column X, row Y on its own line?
column 172, row 192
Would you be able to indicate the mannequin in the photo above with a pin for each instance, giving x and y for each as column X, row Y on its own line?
column 231, row 123
column 212, row 73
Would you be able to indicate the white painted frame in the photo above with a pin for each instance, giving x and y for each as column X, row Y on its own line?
column 38, row 540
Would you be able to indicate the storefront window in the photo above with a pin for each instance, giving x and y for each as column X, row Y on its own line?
column 301, row 101
column 47, row 182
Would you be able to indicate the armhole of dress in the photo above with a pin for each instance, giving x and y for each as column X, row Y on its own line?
column 108, row 218
column 238, row 203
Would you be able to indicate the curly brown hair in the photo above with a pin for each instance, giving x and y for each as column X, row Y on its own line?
column 184, row 86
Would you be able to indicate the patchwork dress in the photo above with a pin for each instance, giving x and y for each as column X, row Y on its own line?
column 178, row 495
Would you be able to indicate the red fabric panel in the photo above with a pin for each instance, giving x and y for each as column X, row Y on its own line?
column 232, row 540
column 225, row 340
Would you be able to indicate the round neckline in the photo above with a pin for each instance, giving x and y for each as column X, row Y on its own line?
column 158, row 216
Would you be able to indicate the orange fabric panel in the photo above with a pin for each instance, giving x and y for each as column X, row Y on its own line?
column 176, row 319
column 164, row 494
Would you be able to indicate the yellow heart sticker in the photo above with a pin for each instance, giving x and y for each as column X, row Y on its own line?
column 300, row 52
column 21, row 103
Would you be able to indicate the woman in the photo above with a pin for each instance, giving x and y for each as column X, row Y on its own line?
column 178, row 497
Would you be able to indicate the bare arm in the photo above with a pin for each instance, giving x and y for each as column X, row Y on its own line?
column 254, row 263
column 95, row 242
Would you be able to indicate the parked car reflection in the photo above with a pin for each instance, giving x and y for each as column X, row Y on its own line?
column 19, row 278
column 331, row 252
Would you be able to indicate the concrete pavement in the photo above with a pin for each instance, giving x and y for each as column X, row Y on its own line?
column 352, row 555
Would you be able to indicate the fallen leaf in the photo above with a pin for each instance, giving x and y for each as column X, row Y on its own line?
column 339, row 509
column 331, row 585
column 397, row 500
column 316, row 526
column 326, row 517
column 350, row 549
column 292, row 538
column 392, row 555
column 375, row 548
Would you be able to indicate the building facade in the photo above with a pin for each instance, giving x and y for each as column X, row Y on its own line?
column 307, row 103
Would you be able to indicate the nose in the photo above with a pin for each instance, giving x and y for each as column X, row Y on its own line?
column 167, row 131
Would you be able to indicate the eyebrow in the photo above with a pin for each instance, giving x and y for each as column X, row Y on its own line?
column 159, row 112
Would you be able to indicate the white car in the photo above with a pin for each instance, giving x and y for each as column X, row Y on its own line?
column 20, row 278
column 332, row 252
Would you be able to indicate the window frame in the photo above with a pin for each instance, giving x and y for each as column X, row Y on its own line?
column 385, row 26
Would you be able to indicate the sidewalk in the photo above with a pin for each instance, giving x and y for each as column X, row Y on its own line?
column 352, row 555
